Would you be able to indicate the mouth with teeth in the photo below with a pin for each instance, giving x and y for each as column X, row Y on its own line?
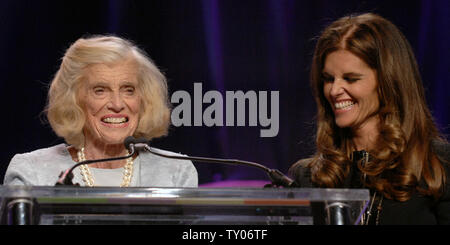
column 115, row 121
column 344, row 105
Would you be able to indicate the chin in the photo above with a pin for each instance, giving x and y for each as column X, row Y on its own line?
column 115, row 137
column 114, row 141
column 343, row 123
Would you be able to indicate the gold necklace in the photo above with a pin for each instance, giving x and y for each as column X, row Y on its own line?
column 88, row 178
column 366, row 216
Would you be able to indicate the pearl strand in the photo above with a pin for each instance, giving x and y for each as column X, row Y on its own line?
column 88, row 178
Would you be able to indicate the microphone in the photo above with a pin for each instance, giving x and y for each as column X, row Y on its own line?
column 66, row 177
column 130, row 143
column 277, row 177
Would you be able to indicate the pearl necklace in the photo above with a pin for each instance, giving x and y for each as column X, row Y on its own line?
column 88, row 178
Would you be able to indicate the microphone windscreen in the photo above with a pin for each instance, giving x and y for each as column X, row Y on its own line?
column 128, row 140
column 141, row 140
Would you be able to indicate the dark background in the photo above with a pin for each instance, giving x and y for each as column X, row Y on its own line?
column 261, row 45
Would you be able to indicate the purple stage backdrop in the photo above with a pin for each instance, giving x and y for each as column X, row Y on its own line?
column 211, row 47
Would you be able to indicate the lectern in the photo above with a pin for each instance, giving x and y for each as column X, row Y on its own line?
column 182, row 206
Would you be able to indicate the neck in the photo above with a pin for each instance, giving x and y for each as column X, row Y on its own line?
column 365, row 136
column 95, row 149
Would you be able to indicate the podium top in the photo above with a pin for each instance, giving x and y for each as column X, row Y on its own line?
column 132, row 193
column 106, row 205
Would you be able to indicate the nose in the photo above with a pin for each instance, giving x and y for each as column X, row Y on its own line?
column 337, row 88
column 116, row 102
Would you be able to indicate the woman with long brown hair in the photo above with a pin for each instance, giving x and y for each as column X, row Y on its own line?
column 374, row 129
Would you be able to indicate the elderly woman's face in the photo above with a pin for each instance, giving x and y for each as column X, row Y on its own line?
column 350, row 86
column 111, row 102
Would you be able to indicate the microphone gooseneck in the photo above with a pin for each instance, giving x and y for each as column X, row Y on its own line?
column 277, row 177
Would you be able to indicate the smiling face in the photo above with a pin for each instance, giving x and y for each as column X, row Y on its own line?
column 350, row 87
column 111, row 102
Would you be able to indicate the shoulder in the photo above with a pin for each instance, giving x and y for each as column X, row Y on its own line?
column 442, row 150
column 166, row 162
column 301, row 164
column 46, row 157
column 183, row 172
column 160, row 158
column 301, row 172
column 46, row 153
column 37, row 167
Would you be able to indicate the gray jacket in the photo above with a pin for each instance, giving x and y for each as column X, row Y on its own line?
column 42, row 168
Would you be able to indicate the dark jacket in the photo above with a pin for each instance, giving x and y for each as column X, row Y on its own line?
column 419, row 210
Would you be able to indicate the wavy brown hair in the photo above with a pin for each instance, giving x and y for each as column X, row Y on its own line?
column 403, row 160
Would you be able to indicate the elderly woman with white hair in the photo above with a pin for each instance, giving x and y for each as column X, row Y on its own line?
column 105, row 90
